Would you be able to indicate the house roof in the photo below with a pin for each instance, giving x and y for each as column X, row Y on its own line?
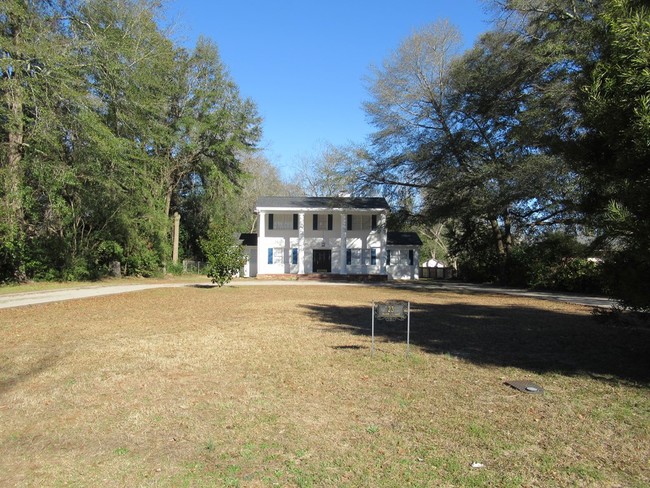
column 403, row 239
column 322, row 203
column 248, row 239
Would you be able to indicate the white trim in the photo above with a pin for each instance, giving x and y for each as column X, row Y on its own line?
column 301, row 243
column 321, row 209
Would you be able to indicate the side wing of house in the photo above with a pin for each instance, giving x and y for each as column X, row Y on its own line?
column 403, row 255
column 249, row 241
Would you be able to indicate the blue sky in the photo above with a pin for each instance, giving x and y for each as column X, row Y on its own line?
column 303, row 63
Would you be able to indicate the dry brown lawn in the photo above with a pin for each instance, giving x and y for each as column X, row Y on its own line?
column 276, row 386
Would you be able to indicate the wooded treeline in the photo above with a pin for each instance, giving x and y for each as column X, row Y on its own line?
column 107, row 127
column 531, row 149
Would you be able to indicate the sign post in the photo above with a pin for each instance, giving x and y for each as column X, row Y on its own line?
column 392, row 311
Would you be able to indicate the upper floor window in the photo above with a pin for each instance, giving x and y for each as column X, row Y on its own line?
column 362, row 222
column 323, row 222
column 283, row 221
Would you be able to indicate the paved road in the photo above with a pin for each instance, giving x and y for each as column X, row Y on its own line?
column 35, row 298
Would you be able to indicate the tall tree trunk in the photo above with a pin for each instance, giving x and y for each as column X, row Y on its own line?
column 507, row 232
column 168, row 200
column 497, row 234
column 500, row 241
column 12, row 163
column 14, row 156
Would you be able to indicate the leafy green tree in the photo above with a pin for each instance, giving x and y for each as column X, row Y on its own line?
column 213, row 130
column 616, row 157
column 596, row 89
column 225, row 256
column 105, row 125
column 35, row 83
column 128, row 62
column 450, row 127
column 236, row 205
column 471, row 242
column 557, row 261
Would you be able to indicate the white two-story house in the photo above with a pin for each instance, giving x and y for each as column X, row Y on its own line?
column 319, row 235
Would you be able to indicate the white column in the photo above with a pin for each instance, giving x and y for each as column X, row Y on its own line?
column 383, row 237
column 416, row 264
column 344, row 246
column 301, row 243
column 261, row 244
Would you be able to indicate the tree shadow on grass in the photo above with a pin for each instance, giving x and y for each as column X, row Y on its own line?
column 43, row 364
column 534, row 339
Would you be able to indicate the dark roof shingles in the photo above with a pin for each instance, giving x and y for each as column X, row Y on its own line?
column 322, row 202
column 403, row 239
column 248, row 239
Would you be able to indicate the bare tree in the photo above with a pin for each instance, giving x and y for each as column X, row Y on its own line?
column 336, row 171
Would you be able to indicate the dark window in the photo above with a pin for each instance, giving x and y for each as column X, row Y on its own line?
column 294, row 255
column 373, row 256
column 270, row 221
column 349, row 222
column 295, row 221
column 387, row 257
column 270, row 255
column 348, row 257
column 374, row 223
column 319, row 222
column 411, row 254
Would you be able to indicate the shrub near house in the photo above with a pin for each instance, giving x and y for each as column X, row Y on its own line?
column 225, row 257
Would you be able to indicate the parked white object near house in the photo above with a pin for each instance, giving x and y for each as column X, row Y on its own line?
column 433, row 263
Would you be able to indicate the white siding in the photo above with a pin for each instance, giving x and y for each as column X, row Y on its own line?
column 305, row 239
column 250, row 268
column 400, row 267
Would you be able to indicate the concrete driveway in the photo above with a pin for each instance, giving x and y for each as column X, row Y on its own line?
column 38, row 297
column 12, row 300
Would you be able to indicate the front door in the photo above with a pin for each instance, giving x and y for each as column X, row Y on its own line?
column 322, row 261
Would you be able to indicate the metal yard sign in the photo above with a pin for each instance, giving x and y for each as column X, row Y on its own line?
column 392, row 311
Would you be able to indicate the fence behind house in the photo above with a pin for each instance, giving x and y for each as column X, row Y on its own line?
column 438, row 273
column 190, row 266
